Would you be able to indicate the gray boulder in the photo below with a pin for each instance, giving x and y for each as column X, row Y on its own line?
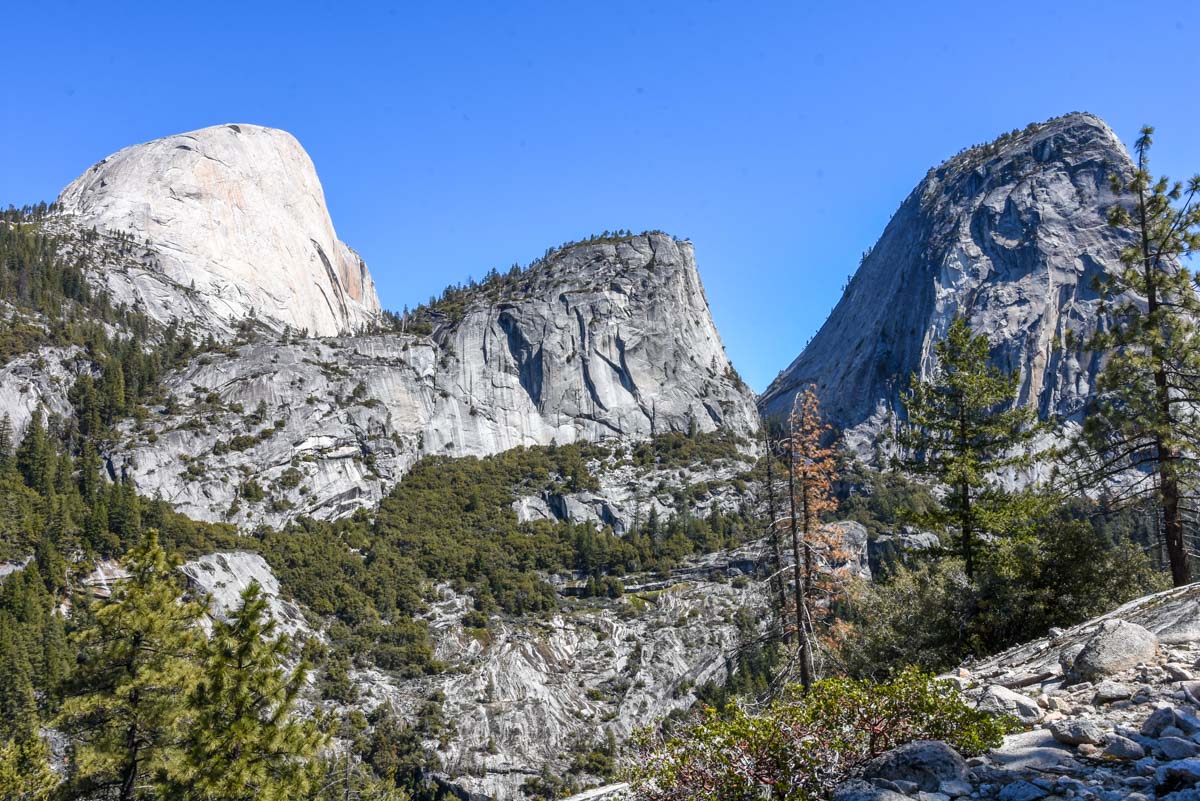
column 1108, row 691
column 1183, row 772
column 927, row 763
column 1077, row 732
column 1117, row 646
column 1123, row 749
column 1178, row 748
column 1022, row 790
column 859, row 790
column 999, row 700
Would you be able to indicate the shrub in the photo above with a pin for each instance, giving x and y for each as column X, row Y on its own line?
column 931, row 615
column 802, row 746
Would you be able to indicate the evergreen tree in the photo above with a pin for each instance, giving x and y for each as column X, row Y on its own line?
column 18, row 704
column 35, row 457
column 25, row 773
column 6, row 442
column 136, row 666
column 1145, row 420
column 963, row 425
column 245, row 744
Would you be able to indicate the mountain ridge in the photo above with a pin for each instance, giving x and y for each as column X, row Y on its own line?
column 1011, row 233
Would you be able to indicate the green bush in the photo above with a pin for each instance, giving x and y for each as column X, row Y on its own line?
column 931, row 615
column 802, row 746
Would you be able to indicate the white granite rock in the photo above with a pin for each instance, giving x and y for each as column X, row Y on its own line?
column 235, row 212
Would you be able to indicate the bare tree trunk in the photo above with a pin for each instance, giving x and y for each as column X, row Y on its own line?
column 779, row 585
column 802, row 630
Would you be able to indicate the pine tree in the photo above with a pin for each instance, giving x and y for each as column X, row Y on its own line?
column 245, row 742
column 812, row 468
column 25, row 773
column 962, row 427
column 1145, row 420
column 18, row 704
column 6, row 442
column 137, row 664
column 35, row 457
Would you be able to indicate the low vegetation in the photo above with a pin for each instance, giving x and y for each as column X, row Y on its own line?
column 803, row 744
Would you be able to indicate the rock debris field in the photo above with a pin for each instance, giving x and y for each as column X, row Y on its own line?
column 1111, row 710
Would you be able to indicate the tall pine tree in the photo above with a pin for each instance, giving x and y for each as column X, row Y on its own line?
column 1144, row 425
column 137, row 666
column 962, row 427
column 246, row 743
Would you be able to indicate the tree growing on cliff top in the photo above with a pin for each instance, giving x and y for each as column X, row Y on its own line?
column 1144, row 424
column 962, row 427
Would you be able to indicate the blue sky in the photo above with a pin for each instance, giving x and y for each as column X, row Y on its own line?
column 452, row 138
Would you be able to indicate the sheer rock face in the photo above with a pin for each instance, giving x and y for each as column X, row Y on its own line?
column 610, row 340
column 1010, row 234
column 237, row 212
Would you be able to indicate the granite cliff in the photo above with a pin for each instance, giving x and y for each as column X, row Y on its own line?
column 1010, row 234
column 599, row 341
column 235, row 213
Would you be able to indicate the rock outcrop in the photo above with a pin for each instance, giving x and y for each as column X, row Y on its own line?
column 234, row 212
column 221, row 578
column 610, row 340
column 1134, row 736
column 1010, row 234
column 528, row 696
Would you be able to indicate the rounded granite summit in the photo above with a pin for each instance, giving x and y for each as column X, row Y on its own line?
column 238, row 213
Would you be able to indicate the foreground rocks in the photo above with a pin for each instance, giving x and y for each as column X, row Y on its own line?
column 1129, row 731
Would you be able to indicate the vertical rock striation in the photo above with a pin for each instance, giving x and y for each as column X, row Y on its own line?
column 602, row 340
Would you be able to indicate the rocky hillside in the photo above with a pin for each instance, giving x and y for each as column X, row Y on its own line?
column 235, row 213
column 1010, row 234
column 605, row 340
column 1111, row 709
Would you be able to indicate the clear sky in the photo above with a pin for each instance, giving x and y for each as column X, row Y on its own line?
column 456, row 137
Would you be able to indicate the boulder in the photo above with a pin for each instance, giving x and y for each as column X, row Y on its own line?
column 928, row 763
column 1118, row 645
column 859, row 790
column 1022, row 790
column 999, row 700
column 1077, row 732
column 1178, row 748
column 1108, row 691
column 1181, row 772
column 1159, row 720
column 1123, row 749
